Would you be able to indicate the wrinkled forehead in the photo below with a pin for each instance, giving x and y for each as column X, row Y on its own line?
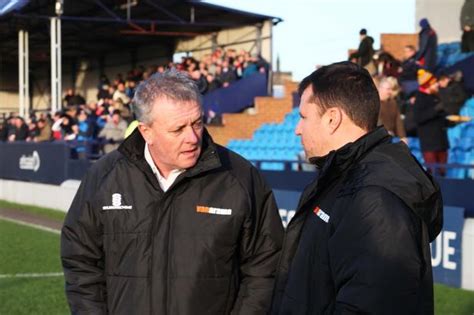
column 168, row 110
column 164, row 102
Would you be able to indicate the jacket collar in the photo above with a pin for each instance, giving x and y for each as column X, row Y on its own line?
column 133, row 149
column 341, row 159
column 338, row 162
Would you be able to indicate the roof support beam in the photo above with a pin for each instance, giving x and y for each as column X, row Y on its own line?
column 165, row 11
column 155, row 33
column 109, row 11
column 122, row 21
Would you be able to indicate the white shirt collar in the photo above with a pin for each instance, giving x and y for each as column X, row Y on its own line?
column 165, row 183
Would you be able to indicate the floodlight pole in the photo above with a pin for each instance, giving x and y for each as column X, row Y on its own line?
column 129, row 10
column 270, row 70
column 259, row 39
column 23, row 75
column 56, row 69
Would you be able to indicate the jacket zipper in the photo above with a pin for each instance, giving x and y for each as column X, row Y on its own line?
column 151, row 242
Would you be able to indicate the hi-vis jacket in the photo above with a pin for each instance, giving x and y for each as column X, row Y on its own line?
column 209, row 245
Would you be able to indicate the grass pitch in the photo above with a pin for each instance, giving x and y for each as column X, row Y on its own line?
column 33, row 256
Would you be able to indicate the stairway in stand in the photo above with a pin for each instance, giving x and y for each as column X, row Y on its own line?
column 267, row 110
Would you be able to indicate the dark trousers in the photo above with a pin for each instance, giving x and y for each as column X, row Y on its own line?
column 436, row 157
column 467, row 41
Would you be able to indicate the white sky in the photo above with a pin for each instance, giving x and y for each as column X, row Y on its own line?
column 318, row 32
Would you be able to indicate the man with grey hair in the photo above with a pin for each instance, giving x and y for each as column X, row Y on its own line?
column 171, row 223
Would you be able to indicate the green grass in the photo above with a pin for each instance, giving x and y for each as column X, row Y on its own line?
column 451, row 301
column 33, row 296
column 47, row 213
column 27, row 250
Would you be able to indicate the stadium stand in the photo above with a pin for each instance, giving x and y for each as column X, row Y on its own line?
column 272, row 144
column 450, row 54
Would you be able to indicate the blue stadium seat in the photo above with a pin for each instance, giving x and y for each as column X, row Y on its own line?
column 455, row 157
column 470, row 160
column 414, row 143
column 272, row 166
column 454, row 133
column 468, row 131
column 466, row 144
column 469, row 103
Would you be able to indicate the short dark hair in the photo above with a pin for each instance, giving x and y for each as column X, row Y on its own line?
column 348, row 86
column 363, row 32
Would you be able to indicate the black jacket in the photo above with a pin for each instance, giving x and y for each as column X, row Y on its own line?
column 428, row 45
column 431, row 123
column 409, row 70
column 453, row 97
column 129, row 248
column 359, row 241
column 365, row 52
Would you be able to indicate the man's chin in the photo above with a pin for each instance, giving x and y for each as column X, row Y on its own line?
column 188, row 160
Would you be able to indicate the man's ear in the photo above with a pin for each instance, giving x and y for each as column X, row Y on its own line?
column 146, row 132
column 334, row 116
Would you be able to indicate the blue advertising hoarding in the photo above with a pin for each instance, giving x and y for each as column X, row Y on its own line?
column 445, row 250
column 46, row 162
column 35, row 162
column 50, row 163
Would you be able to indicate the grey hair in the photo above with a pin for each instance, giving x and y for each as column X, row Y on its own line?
column 171, row 84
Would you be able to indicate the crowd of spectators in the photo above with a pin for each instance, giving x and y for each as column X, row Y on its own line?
column 99, row 126
column 414, row 101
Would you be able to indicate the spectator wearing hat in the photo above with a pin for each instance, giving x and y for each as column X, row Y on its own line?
column 427, row 45
column 365, row 52
column 431, row 121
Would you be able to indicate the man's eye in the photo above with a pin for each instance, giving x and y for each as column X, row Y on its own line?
column 198, row 124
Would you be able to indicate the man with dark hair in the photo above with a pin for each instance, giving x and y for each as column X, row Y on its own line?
column 365, row 52
column 359, row 241
column 171, row 223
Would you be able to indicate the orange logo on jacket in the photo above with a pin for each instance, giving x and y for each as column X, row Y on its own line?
column 213, row 210
column 321, row 214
